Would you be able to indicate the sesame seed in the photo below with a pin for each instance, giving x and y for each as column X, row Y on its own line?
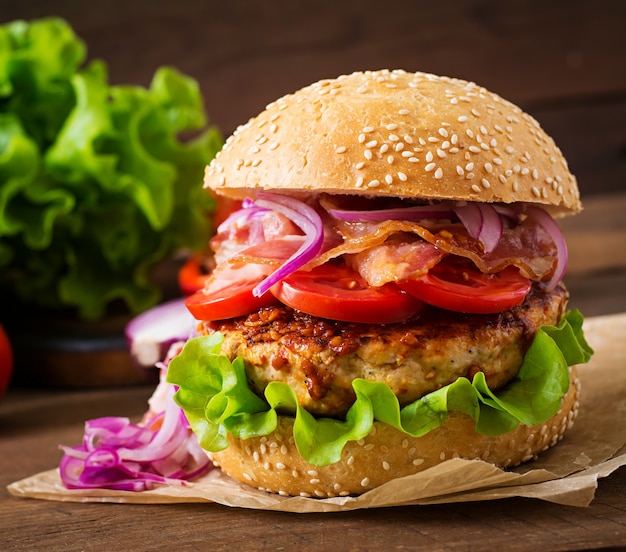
column 389, row 179
column 536, row 191
column 280, row 466
column 442, row 456
column 459, row 170
column 390, row 159
column 368, row 154
column 403, row 112
column 440, row 153
column 371, row 144
column 256, row 456
column 462, row 119
column 476, row 188
column 393, row 138
column 391, row 126
column 399, row 146
column 443, row 132
column 247, row 476
column 474, row 149
column 407, row 153
column 489, row 167
column 429, row 157
column 263, row 448
column 429, row 167
column 365, row 482
column 368, row 129
column 273, row 146
column 469, row 167
column 485, row 183
column 341, row 149
column 273, row 127
column 483, row 129
column 408, row 139
column 373, row 183
column 439, row 173
column 402, row 176
column 312, row 473
column 361, row 138
column 314, row 481
column 413, row 160
column 418, row 461
column 475, row 112
column 283, row 449
column 386, row 466
column 359, row 165
column 305, row 495
column 359, row 182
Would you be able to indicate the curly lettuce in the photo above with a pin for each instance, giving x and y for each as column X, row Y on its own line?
column 97, row 185
column 214, row 394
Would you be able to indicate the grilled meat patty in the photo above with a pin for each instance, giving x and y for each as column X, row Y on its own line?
column 319, row 358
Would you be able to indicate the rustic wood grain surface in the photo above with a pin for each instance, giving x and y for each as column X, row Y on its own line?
column 563, row 61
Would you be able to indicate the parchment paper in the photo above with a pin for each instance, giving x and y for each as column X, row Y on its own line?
column 566, row 474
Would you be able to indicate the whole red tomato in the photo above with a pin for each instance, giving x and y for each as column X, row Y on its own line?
column 6, row 361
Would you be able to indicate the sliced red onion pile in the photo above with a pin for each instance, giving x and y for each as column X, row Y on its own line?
column 305, row 218
column 119, row 455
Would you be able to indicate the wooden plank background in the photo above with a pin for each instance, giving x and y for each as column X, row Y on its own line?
column 561, row 60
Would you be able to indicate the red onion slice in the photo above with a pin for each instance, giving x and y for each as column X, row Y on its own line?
column 150, row 334
column 305, row 218
column 414, row 212
column 543, row 219
column 482, row 222
column 247, row 212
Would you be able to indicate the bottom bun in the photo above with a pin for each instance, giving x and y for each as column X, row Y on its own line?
column 272, row 463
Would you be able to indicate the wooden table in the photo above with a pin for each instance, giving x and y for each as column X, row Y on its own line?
column 562, row 61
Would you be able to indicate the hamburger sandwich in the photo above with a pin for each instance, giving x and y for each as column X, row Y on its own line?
column 387, row 293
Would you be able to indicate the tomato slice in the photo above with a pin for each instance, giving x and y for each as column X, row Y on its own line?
column 340, row 293
column 228, row 292
column 459, row 286
column 191, row 276
column 6, row 361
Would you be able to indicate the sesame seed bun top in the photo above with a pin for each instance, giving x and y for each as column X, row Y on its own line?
column 393, row 133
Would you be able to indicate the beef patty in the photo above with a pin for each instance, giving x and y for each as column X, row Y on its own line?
column 318, row 358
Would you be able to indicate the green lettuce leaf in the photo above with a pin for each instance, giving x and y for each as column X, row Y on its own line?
column 215, row 396
column 97, row 184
